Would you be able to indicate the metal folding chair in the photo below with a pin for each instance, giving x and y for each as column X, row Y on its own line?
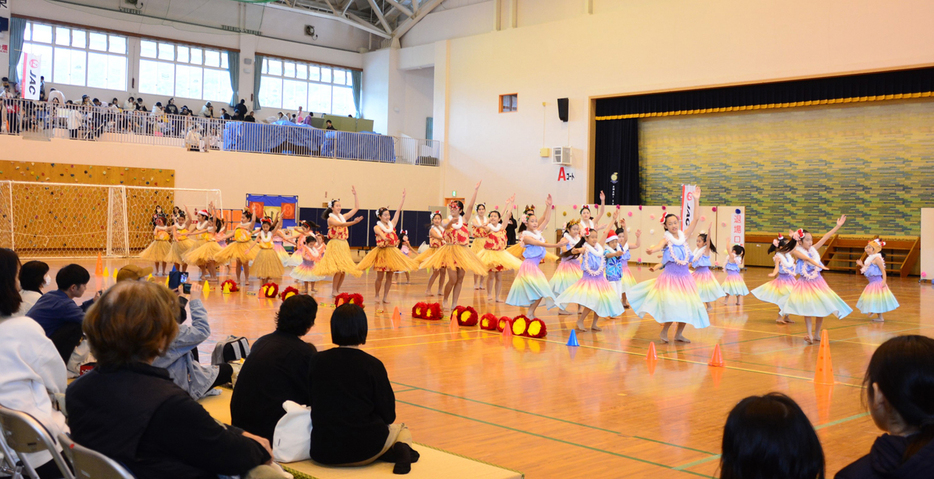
column 24, row 434
column 91, row 464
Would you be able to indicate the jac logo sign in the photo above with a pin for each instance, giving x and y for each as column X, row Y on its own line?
column 33, row 63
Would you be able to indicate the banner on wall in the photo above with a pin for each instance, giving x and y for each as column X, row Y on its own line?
column 271, row 205
column 687, row 205
column 737, row 227
column 29, row 80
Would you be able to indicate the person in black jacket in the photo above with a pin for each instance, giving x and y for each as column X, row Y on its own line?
column 352, row 404
column 240, row 110
column 132, row 412
column 899, row 386
column 277, row 370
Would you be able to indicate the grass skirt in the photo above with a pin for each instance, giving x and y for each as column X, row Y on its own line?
column 877, row 298
column 387, row 259
column 530, row 285
column 707, row 286
column 734, row 284
column 179, row 248
column 498, row 260
column 267, row 265
column 337, row 260
column 158, row 251
column 236, row 251
column 672, row 297
column 478, row 245
column 455, row 256
column 595, row 293
column 813, row 297
column 566, row 274
column 203, row 254
column 423, row 256
column 777, row 290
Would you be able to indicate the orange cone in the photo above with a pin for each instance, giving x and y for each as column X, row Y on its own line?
column 651, row 356
column 824, row 372
column 99, row 269
column 716, row 360
column 507, row 331
column 395, row 313
column 651, row 366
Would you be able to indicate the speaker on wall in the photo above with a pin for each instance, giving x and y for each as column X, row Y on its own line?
column 563, row 109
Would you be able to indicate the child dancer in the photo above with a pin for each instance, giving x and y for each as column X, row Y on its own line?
column 530, row 286
column 406, row 248
column 338, row 261
column 811, row 297
column 267, row 265
column 311, row 248
column 203, row 256
column 586, row 221
column 734, row 285
column 876, row 298
column 160, row 250
column 517, row 249
column 299, row 232
column 569, row 270
column 593, row 292
column 707, row 285
column 479, row 232
column 183, row 243
column 494, row 255
column 241, row 249
column 618, row 256
column 777, row 290
column 455, row 255
column 386, row 258
column 672, row 297
column 435, row 242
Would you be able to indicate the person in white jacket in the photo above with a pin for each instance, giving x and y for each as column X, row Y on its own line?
column 31, row 370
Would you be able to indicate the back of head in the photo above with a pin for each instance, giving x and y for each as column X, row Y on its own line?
column 296, row 315
column 134, row 321
column 32, row 275
column 903, row 370
column 71, row 275
column 9, row 295
column 348, row 325
column 769, row 437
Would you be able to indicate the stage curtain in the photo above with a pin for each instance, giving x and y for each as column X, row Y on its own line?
column 357, row 79
column 616, row 167
column 17, row 33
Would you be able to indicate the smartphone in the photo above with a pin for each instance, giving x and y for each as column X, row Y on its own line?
column 175, row 279
column 183, row 278
column 186, row 288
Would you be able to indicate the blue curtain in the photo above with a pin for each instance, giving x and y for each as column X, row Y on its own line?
column 233, row 68
column 257, row 79
column 17, row 31
column 357, row 77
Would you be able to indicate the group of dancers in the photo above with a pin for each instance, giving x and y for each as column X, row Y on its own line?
column 592, row 271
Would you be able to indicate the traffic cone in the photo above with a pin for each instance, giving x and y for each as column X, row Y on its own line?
column 507, row 331
column 99, row 269
column 824, row 372
column 206, row 288
column 651, row 356
column 107, row 272
column 395, row 313
column 572, row 340
column 716, row 360
column 651, row 366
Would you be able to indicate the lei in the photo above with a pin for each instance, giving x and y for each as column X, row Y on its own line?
column 586, row 267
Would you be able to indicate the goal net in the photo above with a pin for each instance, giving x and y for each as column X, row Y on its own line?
column 61, row 220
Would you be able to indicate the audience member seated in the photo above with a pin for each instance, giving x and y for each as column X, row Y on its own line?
column 330, row 126
column 170, row 107
column 769, row 437
column 899, row 386
column 224, row 114
column 352, row 403
column 130, row 104
column 56, row 96
column 30, row 367
column 249, row 118
column 140, row 106
column 308, row 118
column 207, row 111
column 131, row 411
column 277, row 370
column 57, row 312
column 183, row 367
column 32, row 277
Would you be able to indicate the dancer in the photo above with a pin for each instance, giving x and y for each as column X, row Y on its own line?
column 298, row 234
column 707, row 285
column 494, row 255
column 386, row 258
column 455, row 255
column 531, row 287
column 877, row 298
column 734, row 284
column 587, row 221
column 311, row 248
column 337, row 262
column 435, row 242
column 517, row 250
column 479, row 232
column 777, row 290
column 569, row 266
column 203, row 256
column 406, row 248
column 183, row 243
column 160, row 250
column 672, row 296
column 280, row 237
column 241, row 249
column 592, row 293
column 811, row 297
column 267, row 265
column 618, row 256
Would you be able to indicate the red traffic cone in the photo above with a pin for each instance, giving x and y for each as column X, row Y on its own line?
column 824, row 372
column 651, row 356
column 716, row 360
column 99, row 269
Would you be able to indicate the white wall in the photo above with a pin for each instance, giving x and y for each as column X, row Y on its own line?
column 419, row 101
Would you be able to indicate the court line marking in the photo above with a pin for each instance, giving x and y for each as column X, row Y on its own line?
column 698, row 462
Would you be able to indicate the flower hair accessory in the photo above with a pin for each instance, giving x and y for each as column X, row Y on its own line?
column 437, row 212
column 586, row 231
column 266, row 220
column 878, row 241
column 797, row 235
column 331, row 203
column 452, row 204
column 663, row 219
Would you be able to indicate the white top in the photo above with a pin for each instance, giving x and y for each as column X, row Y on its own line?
column 29, row 300
column 31, row 369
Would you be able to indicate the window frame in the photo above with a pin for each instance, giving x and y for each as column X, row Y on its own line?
column 513, row 108
column 59, row 46
column 197, row 57
column 290, row 69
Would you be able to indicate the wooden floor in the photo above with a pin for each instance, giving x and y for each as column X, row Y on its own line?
column 598, row 410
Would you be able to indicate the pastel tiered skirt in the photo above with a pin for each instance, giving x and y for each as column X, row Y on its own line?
column 777, row 290
column 305, row 272
column 626, row 280
column 672, row 297
column 529, row 286
column 707, row 285
column 813, row 297
column 734, row 284
column 566, row 274
column 877, row 298
column 594, row 293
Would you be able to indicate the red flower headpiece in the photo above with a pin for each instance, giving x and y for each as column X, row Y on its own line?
column 662, row 221
column 288, row 293
column 345, row 298
column 270, row 290
column 267, row 221
column 878, row 241
column 453, row 204
column 586, row 231
column 229, row 286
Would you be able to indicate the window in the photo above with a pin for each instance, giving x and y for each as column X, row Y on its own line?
column 74, row 56
column 288, row 84
column 183, row 71
column 509, row 103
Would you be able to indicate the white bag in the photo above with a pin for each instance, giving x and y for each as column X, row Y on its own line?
column 292, row 436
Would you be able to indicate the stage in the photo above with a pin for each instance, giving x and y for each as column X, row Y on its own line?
column 599, row 410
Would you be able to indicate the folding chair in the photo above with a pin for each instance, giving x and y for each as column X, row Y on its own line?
column 24, row 434
column 91, row 464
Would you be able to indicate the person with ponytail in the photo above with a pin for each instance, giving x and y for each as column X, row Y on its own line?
column 530, row 287
column 877, row 298
column 311, row 248
column 479, row 233
column 517, row 249
column 435, row 242
column 493, row 254
column 241, row 248
column 587, row 221
column 734, row 285
column 672, row 296
column 299, row 233
column 338, row 262
column 267, row 265
column 386, row 258
column 777, row 290
column 707, row 285
column 569, row 270
column 618, row 254
column 899, row 386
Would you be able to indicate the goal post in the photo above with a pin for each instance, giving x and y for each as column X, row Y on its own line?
column 61, row 220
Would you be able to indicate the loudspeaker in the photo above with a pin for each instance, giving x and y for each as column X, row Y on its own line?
column 563, row 109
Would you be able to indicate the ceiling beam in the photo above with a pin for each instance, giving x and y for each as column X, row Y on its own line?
column 422, row 11
column 402, row 8
column 379, row 15
column 347, row 18
column 347, row 6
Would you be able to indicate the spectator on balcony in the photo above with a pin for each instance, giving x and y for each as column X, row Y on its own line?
column 294, row 118
column 96, row 103
column 307, row 119
column 330, row 126
column 170, row 107
column 85, row 100
column 130, row 104
column 9, row 86
column 185, row 111
column 224, row 114
column 42, row 96
column 240, row 111
column 56, row 96
column 300, row 118
column 207, row 110
column 114, row 103
column 249, row 118
column 157, row 109
column 140, row 106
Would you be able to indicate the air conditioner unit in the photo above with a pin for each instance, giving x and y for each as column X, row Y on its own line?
column 561, row 155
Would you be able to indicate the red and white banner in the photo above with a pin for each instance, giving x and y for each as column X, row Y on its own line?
column 737, row 226
column 29, row 78
column 687, row 205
